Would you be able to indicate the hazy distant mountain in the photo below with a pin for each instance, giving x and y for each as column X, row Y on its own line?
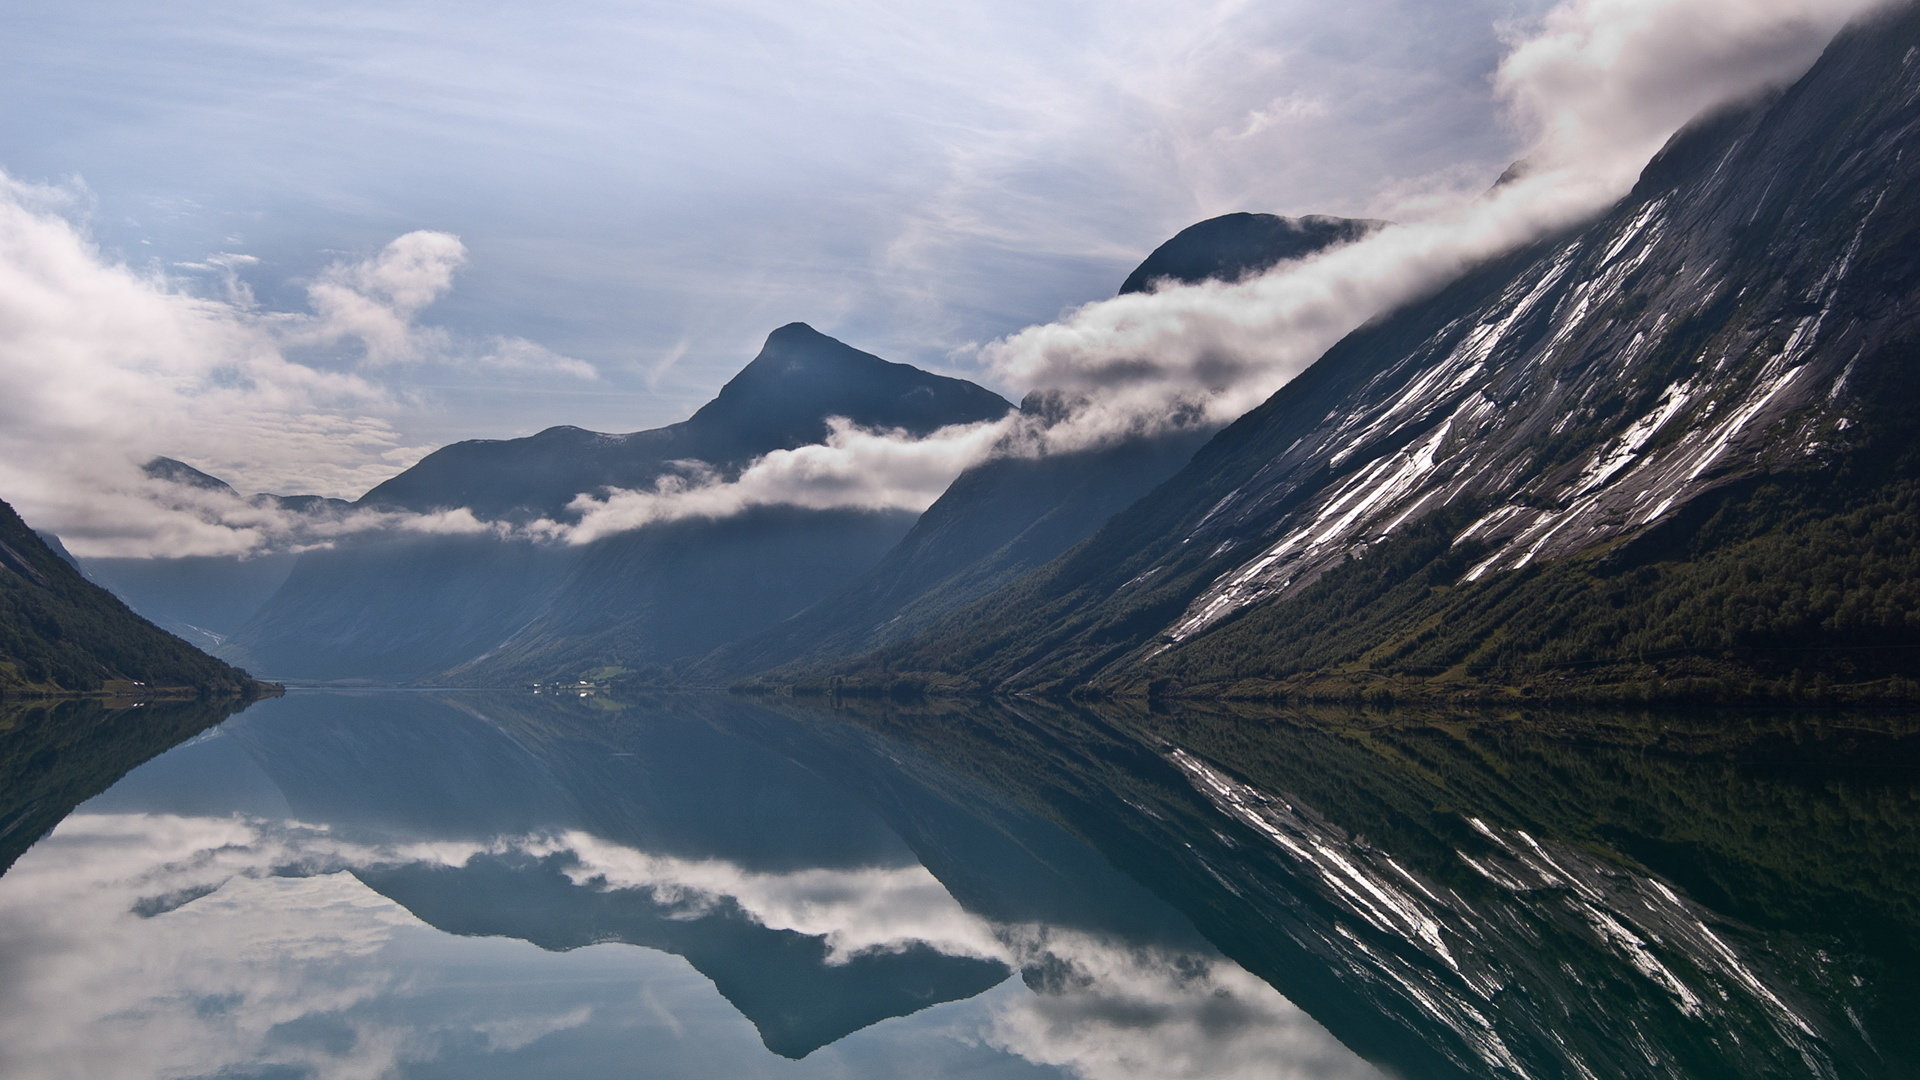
column 481, row 609
column 1667, row 454
column 204, row 598
column 60, row 633
column 1006, row 516
column 779, row 401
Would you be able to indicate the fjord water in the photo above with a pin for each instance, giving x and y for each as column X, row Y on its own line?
column 480, row 885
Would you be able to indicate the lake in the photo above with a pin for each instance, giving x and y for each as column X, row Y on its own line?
column 425, row 884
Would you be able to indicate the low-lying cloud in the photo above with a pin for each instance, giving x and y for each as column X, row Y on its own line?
column 1595, row 87
column 103, row 365
column 854, row 469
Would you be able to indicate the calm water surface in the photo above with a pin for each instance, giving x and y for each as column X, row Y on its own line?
column 506, row 885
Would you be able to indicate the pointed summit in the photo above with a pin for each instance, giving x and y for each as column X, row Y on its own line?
column 179, row 472
column 801, row 377
column 781, row 400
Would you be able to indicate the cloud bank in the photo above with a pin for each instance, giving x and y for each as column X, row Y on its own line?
column 1596, row 87
column 854, row 469
column 104, row 365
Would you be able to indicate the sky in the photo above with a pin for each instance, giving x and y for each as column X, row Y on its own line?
column 301, row 246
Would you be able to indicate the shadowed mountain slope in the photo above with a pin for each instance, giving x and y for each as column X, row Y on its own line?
column 60, row 633
column 486, row 610
column 1008, row 515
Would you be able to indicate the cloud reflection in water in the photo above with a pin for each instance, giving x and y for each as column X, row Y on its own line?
column 138, row 944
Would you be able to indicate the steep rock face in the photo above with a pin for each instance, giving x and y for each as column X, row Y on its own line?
column 1009, row 515
column 779, row 401
column 1739, row 316
column 60, row 633
column 487, row 610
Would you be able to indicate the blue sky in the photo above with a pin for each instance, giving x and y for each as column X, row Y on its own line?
column 300, row 247
column 650, row 188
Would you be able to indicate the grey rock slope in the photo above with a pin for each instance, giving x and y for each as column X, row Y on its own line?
column 1743, row 316
column 1008, row 515
column 487, row 610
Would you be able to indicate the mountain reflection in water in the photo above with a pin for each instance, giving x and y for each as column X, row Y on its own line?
column 453, row 885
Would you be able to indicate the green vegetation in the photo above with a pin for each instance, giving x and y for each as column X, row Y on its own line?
column 62, row 634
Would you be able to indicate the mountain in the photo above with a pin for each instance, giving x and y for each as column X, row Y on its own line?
column 489, row 610
column 1008, row 515
column 1664, row 455
column 205, row 598
column 1235, row 246
column 62, row 634
column 779, row 401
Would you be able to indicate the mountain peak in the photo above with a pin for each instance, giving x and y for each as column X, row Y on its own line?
column 1234, row 246
column 796, row 331
column 797, row 349
column 179, row 472
column 801, row 376
column 782, row 399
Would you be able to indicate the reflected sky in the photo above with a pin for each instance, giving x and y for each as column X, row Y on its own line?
column 160, row 932
column 477, row 885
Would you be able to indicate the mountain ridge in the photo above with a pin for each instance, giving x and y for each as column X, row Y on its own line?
column 63, row 635
column 1716, row 326
column 494, row 610
column 1011, row 513
column 780, row 400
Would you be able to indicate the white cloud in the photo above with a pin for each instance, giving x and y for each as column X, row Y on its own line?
column 519, row 354
column 855, row 468
column 138, row 944
column 103, row 366
column 265, row 930
column 1602, row 83
column 375, row 300
column 1597, row 85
